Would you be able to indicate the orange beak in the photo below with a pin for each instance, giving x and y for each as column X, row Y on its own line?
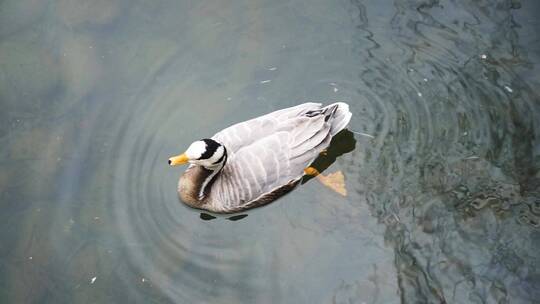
column 178, row 160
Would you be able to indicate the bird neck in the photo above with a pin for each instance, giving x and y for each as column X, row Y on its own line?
column 197, row 182
column 210, row 176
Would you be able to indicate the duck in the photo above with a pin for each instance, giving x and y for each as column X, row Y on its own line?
column 252, row 163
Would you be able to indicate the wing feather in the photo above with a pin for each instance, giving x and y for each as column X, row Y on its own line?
column 271, row 152
column 261, row 126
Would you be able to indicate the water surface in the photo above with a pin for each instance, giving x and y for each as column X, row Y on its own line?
column 443, row 199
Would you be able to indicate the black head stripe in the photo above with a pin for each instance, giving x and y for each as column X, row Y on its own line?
column 211, row 147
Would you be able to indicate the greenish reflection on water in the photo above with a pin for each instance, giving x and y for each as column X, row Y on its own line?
column 443, row 202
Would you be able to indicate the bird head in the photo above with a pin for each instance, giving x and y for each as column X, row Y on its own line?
column 205, row 152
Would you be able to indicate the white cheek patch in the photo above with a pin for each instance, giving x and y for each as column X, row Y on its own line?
column 196, row 149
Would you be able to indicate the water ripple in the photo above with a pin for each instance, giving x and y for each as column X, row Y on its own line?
column 444, row 123
column 443, row 201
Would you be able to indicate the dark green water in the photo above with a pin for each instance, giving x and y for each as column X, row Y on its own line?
column 443, row 198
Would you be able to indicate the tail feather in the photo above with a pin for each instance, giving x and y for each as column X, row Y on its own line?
column 340, row 118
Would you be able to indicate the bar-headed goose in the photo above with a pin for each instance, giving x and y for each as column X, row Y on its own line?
column 254, row 162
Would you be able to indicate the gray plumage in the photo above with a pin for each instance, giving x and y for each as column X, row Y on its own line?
column 265, row 157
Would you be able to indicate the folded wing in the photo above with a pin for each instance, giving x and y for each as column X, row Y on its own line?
column 272, row 151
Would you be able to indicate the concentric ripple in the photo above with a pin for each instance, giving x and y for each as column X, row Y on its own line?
column 444, row 171
column 146, row 203
column 443, row 202
column 450, row 171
